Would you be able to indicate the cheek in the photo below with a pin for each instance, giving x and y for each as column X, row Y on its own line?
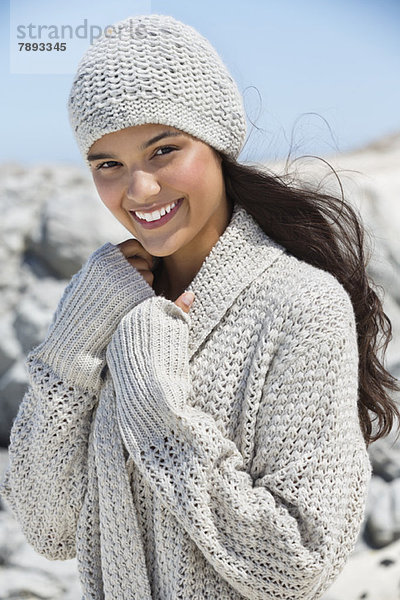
column 197, row 175
column 108, row 194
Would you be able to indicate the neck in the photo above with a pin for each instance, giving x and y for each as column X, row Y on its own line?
column 174, row 273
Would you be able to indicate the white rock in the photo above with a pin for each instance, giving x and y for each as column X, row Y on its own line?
column 12, row 389
column 17, row 582
column 35, row 309
column 3, row 467
column 380, row 520
column 74, row 223
column 10, row 349
column 385, row 456
column 383, row 509
column 369, row 575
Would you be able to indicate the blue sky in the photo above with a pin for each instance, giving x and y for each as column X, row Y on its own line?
column 317, row 76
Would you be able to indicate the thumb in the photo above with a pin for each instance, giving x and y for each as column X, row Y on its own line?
column 185, row 301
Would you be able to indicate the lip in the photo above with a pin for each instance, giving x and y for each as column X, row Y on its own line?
column 164, row 219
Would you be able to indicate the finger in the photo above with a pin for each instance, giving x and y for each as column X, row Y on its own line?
column 185, row 301
column 148, row 277
column 133, row 247
column 139, row 263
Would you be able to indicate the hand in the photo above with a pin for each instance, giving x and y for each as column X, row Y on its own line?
column 144, row 262
column 139, row 258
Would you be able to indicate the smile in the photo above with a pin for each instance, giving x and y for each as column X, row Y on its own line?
column 157, row 218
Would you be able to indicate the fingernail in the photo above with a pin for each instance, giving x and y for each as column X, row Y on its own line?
column 188, row 298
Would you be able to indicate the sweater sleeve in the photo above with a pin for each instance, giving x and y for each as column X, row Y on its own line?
column 284, row 527
column 105, row 289
column 47, row 477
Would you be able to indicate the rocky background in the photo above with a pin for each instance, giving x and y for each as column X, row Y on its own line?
column 52, row 219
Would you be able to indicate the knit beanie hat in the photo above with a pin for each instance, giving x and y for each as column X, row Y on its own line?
column 155, row 69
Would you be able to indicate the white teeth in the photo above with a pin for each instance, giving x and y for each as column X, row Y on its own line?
column 157, row 214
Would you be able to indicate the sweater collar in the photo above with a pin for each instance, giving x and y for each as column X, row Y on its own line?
column 240, row 255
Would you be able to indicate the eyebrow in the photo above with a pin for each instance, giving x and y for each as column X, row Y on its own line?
column 153, row 140
column 159, row 137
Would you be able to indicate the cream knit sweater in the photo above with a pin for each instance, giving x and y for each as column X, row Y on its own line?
column 219, row 455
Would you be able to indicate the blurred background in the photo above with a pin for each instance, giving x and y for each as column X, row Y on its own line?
column 318, row 78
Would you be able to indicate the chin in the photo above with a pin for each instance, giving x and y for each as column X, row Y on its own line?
column 160, row 253
column 161, row 250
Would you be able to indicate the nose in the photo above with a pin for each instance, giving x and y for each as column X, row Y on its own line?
column 141, row 186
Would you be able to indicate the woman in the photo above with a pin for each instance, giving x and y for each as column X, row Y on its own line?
column 208, row 451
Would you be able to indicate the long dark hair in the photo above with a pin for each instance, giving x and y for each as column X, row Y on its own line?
column 326, row 232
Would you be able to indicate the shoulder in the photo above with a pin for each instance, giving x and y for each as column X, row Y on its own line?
column 306, row 294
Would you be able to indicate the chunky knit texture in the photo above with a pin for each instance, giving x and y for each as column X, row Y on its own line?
column 219, row 454
column 155, row 69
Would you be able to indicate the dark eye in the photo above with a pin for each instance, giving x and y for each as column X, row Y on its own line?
column 108, row 162
column 164, row 150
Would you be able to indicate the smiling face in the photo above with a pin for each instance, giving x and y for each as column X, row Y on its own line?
column 147, row 167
